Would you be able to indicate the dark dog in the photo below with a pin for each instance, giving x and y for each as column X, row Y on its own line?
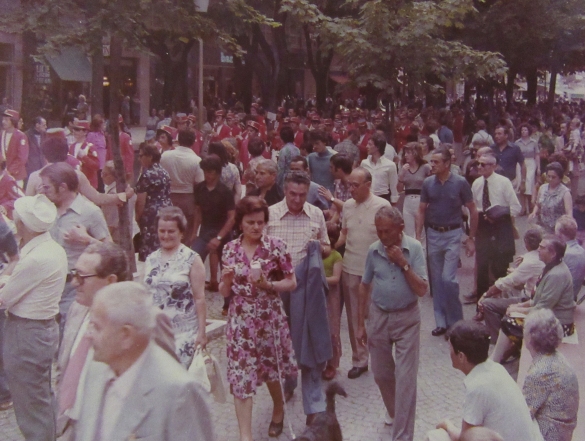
column 325, row 426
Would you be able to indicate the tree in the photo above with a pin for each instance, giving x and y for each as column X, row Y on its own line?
column 390, row 43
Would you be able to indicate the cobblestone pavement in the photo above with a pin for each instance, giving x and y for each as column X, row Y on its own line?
column 361, row 414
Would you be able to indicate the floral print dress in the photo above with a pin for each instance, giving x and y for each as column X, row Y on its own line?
column 259, row 346
column 170, row 286
column 156, row 183
column 552, row 206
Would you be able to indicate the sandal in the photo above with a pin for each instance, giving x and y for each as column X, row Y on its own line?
column 212, row 286
column 275, row 429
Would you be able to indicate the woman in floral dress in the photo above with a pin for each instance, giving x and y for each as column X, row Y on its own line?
column 153, row 191
column 256, row 268
column 175, row 276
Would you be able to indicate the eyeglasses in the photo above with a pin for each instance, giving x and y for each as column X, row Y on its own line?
column 80, row 278
column 355, row 184
column 484, row 164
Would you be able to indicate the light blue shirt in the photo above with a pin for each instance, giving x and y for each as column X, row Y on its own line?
column 575, row 260
column 390, row 290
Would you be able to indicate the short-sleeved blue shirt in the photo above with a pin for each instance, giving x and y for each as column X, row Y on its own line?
column 445, row 199
column 390, row 290
column 507, row 159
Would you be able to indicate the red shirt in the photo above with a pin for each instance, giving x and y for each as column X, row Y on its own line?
column 90, row 164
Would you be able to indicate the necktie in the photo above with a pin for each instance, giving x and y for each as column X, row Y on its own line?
column 100, row 416
column 70, row 382
column 485, row 200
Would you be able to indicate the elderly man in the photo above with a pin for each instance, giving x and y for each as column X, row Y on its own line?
column 566, row 229
column 396, row 275
column 266, row 186
column 512, row 288
column 492, row 398
column 100, row 265
column 31, row 296
column 13, row 146
column 299, row 223
column 137, row 390
column 358, row 232
column 79, row 222
column 442, row 197
column 497, row 204
column 182, row 165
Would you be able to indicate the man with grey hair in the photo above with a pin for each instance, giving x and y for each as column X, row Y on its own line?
column 566, row 229
column 266, row 186
column 137, row 390
column 395, row 275
column 31, row 297
column 358, row 232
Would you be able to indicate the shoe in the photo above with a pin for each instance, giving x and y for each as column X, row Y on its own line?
column 478, row 317
column 355, row 372
column 288, row 395
column 438, row 331
column 224, row 312
column 6, row 405
column 275, row 429
column 212, row 286
column 311, row 417
column 470, row 298
column 388, row 420
column 329, row 373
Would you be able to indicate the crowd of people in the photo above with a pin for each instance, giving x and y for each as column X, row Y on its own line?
column 300, row 216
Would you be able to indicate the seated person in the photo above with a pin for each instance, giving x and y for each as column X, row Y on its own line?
column 554, row 291
column 566, row 229
column 492, row 398
column 551, row 388
column 516, row 286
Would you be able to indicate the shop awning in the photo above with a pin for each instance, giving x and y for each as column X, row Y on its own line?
column 71, row 65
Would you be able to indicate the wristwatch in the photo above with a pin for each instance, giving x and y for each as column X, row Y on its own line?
column 218, row 238
column 405, row 268
column 332, row 199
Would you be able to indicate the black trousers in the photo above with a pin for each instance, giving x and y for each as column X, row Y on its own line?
column 489, row 258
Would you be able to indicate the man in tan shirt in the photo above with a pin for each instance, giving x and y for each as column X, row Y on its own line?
column 358, row 232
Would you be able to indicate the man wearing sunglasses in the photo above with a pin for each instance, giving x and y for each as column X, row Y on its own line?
column 100, row 265
column 496, row 203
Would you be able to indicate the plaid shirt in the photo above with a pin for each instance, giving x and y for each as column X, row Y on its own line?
column 297, row 230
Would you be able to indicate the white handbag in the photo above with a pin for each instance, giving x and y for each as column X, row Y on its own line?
column 206, row 371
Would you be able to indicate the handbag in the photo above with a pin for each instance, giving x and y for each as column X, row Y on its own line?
column 206, row 371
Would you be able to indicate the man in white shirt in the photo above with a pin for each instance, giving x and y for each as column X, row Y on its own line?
column 382, row 169
column 31, row 296
column 512, row 288
column 497, row 204
column 137, row 390
column 182, row 165
column 358, row 232
column 492, row 398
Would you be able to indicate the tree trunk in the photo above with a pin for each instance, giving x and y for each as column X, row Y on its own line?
column 531, row 86
column 510, row 88
column 552, row 88
column 115, row 86
column 97, row 77
column 243, row 81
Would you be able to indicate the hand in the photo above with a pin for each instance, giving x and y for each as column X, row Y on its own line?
column 129, row 192
column 518, row 260
column 511, row 309
column 227, row 275
column 213, row 244
column 201, row 339
column 406, row 167
column 396, row 256
column 445, row 425
column 531, row 216
column 361, row 335
column 78, row 234
column 492, row 291
column 469, row 248
column 325, row 193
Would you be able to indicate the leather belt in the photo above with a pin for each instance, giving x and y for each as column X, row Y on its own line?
column 444, row 228
column 392, row 311
column 412, row 191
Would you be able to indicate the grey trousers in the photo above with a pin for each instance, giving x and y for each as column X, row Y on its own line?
column 494, row 310
column 349, row 292
column 29, row 347
column 396, row 378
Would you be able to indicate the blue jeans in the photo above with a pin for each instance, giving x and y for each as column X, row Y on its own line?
column 443, row 251
column 4, row 392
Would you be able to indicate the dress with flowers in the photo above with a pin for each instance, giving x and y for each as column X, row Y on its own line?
column 170, row 286
column 258, row 337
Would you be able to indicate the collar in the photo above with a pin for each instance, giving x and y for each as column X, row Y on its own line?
column 572, row 242
column 108, row 187
column 123, row 384
column 76, row 205
column 35, row 242
column 286, row 211
column 491, row 177
column 451, row 178
column 478, row 370
column 264, row 240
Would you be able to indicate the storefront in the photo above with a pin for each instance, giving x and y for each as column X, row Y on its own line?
column 11, row 70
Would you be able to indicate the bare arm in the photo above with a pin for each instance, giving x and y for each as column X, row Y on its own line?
column 342, row 238
column 93, row 195
column 140, row 203
column 568, row 201
column 197, row 279
column 334, row 279
column 420, row 219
